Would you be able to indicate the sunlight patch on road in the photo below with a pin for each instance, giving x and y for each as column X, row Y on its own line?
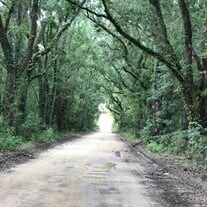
column 105, row 122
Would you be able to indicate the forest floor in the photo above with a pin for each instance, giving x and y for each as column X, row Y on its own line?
column 98, row 169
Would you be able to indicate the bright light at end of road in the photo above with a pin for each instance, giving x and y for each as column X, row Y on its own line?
column 105, row 122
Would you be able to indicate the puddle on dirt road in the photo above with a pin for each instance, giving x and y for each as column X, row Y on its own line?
column 101, row 175
column 94, row 177
column 118, row 153
column 109, row 166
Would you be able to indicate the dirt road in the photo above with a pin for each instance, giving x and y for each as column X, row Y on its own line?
column 96, row 170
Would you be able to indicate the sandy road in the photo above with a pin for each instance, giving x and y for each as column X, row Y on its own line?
column 96, row 170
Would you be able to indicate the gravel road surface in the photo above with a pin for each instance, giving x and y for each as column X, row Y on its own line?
column 96, row 170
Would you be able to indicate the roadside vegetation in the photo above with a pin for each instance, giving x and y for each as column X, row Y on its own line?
column 145, row 60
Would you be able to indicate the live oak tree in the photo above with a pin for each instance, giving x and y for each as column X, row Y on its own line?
column 23, row 30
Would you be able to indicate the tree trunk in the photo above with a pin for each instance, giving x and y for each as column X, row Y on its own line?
column 53, row 96
column 43, row 99
column 202, row 97
column 202, row 111
column 60, row 109
column 194, row 106
column 8, row 106
column 22, row 102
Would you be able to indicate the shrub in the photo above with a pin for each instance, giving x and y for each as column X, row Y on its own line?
column 178, row 142
column 31, row 126
column 48, row 135
column 9, row 142
column 197, row 147
column 190, row 143
column 155, row 147
column 147, row 132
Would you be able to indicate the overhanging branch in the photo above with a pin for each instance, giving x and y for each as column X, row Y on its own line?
column 175, row 68
column 57, row 36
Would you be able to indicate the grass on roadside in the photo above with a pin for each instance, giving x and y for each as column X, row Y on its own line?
column 130, row 136
column 9, row 142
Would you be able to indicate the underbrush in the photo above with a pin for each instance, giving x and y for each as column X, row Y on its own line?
column 8, row 141
column 130, row 136
column 11, row 142
column 191, row 143
column 46, row 136
column 155, row 147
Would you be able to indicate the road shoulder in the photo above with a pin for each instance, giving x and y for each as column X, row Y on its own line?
column 176, row 184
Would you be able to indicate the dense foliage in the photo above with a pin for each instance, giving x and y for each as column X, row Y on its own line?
column 146, row 59
column 47, row 83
